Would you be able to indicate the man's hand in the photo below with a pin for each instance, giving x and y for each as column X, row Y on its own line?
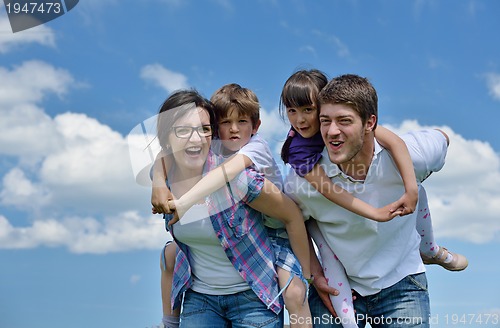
column 324, row 291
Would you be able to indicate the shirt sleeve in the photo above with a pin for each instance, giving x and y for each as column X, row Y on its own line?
column 259, row 153
column 428, row 150
column 247, row 185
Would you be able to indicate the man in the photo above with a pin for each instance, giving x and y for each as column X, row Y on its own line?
column 382, row 260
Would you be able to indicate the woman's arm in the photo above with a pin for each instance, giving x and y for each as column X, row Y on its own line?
column 396, row 146
column 336, row 194
column 160, row 194
column 275, row 204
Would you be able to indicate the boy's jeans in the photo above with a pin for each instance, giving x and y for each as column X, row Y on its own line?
column 405, row 304
column 240, row 310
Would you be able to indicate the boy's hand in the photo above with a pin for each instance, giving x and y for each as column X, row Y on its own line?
column 171, row 206
column 174, row 219
column 178, row 208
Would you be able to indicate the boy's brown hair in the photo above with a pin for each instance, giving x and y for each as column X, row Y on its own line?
column 233, row 97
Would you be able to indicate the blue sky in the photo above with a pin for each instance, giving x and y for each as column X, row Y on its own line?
column 78, row 245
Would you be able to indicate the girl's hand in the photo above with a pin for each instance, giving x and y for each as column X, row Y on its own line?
column 406, row 204
column 387, row 213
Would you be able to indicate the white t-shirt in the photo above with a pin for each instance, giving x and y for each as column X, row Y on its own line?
column 259, row 152
column 212, row 272
column 376, row 255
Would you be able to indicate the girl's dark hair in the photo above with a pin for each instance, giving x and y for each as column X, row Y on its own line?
column 183, row 101
column 301, row 89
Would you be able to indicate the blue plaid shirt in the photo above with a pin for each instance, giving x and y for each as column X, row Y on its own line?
column 242, row 235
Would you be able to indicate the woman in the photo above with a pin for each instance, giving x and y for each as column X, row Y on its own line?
column 225, row 262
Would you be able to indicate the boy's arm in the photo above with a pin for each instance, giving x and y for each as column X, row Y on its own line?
column 160, row 194
column 396, row 146
column 211, row 182
column 336, row 194
column 275, row 204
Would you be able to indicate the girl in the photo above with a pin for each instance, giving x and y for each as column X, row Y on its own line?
column 302, row 150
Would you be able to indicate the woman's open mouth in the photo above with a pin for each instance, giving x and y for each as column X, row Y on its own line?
column 193, row 151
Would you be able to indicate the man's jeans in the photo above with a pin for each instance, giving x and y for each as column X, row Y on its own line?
column 405, row 304
column 240, row 310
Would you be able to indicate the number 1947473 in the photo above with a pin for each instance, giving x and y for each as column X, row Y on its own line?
column 41, row 7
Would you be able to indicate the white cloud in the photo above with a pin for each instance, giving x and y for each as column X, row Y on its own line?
column 493, row 83
column 273, row 129
column 164, row 78
column 72, row 160
column 30, row 82
column 21, row 192
column 9, row 41
column 120, row 233
column 464, row 197
column 88, row 171
column 82, row 166
column 27, row 131
column 67, row 164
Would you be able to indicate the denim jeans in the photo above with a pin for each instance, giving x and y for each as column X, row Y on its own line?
column 404, row 304
column 240, row 310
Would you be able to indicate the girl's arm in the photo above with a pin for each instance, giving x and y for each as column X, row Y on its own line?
column 396, row 146
column 336, row 194
column 211, row 182
column 160, row 194
column 275, row 204
column 405, row 205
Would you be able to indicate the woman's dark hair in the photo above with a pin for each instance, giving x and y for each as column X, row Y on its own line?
column 183, row 101
column 301, row 89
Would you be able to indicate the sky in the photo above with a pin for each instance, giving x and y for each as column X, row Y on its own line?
column 79, row 246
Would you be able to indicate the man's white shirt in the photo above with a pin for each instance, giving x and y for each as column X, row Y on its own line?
column 376, row 255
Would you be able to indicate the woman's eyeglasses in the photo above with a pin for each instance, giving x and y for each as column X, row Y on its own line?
column 185, row 132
